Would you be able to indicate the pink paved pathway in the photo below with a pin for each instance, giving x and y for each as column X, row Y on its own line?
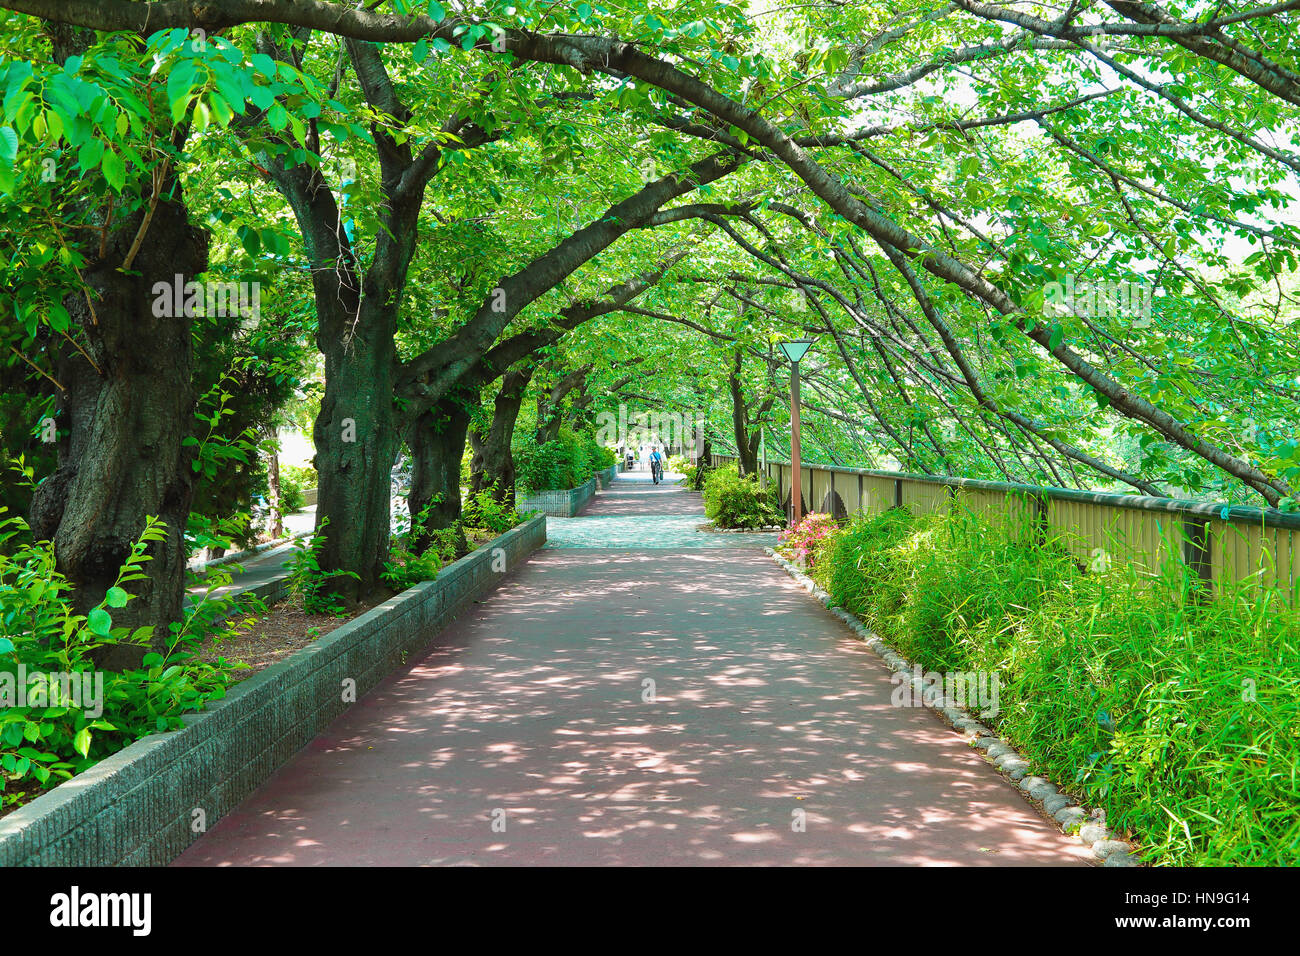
column 530, row 710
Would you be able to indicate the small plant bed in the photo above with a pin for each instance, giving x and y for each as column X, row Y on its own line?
column 567, row 461
column 253, row 643
column 221, row 641
column 802, row 542
column 737, row 502
column 66, row 713
column 18, row 796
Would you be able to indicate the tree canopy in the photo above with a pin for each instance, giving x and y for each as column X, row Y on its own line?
column 1042, row 243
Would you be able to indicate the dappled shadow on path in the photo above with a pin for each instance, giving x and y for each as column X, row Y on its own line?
column 534, row 710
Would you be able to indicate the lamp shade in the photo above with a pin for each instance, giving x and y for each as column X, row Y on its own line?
column 795, row 349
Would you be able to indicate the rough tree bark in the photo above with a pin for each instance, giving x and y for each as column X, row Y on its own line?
column 275, row 501
column 550, row 415
column 357, row 435
column 747, row 436
column 127, row 406
column 492, row 465
column 437, row 443
column 122, row 457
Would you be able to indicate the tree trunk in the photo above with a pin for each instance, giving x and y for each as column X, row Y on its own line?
column 357, row 436
column 705, row 463
column 493, row 464
column 122, row 458
column 746, row 440
column 550, row 416
column 273, row 488
column 437, row 443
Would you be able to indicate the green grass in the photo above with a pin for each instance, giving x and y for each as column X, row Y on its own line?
column 1177, row 715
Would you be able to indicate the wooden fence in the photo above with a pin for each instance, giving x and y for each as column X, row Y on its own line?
column 1219, row 542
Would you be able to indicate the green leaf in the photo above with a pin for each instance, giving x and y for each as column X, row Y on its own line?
column 99, row 621
column 90, row 154
column 81, row 742
column 114, row 170
column 116, row 597
column 179, row 84
column 8, row 152
column 58, row 317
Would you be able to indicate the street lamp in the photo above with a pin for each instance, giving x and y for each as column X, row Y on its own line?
column 794, row 350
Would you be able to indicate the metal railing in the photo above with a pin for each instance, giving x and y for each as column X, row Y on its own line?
column 1218, row 541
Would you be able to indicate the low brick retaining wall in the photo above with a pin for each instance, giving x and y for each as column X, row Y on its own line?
column 137, row 807
column 560, row 504
column 606, row 477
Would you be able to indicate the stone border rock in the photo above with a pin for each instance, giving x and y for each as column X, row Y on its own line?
column 1087, row 826
column 138, row 806
column 711, row 528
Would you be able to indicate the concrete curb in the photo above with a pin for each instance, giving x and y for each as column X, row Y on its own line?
column 561, row 503
column 247, row 552
column 147, row 803
column 1087, row 826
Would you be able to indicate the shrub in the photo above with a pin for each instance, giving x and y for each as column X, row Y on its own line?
column 598, row 456
column 307, row 580
column 404, row 568
column 482, row 510
column 1173, row 713
column 803, row 542
column 731, row 501
column 693, row 476
column 859, row 568
column 407, row 564
column 294, row 482
column 567, row 462
column 48, row 736
column 681, row 465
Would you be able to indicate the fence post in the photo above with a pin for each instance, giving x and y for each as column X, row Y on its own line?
column 898, row 492
column 1196, row 549
column 1040, row 518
